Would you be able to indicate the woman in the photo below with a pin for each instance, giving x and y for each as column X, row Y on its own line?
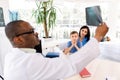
column 84, row 35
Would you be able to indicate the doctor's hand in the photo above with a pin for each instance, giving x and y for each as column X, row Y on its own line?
column 101, row 31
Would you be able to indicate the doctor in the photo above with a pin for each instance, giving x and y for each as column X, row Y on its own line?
column 21, row 63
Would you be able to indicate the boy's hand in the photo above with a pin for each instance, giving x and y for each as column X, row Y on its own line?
column 66, row 51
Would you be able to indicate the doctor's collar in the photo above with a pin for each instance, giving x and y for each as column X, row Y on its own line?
column 28, row 50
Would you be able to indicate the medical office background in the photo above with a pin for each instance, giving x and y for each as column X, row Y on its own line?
column 70, row 16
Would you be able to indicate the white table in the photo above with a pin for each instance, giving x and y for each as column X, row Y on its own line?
column 53, row 45
column 101, row 69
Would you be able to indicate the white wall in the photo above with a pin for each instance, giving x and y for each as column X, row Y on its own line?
column 5, row 5
column 4, row 44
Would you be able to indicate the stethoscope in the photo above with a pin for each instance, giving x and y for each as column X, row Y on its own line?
column 1, row 77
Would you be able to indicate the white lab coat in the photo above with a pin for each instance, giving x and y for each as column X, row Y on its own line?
column 23, row 66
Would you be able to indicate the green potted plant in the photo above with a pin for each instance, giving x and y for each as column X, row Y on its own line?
column 45, row 14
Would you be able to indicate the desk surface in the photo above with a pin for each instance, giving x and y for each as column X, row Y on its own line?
column 100, row 69
column 53, row 43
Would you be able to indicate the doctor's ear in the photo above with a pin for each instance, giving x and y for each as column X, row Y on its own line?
column 18, row 40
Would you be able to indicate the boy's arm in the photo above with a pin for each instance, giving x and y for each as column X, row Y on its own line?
column 76, row 46
column 69, row 47
column 67, row 50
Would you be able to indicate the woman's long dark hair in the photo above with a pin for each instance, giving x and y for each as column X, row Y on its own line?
column 88, row 34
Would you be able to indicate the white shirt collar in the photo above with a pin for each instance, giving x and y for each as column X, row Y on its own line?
column 28, row 50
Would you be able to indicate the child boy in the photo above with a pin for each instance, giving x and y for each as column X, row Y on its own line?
column 74, row 44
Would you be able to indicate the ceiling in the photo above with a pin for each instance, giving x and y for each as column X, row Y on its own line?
column 78, row 0
column 69, row 3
